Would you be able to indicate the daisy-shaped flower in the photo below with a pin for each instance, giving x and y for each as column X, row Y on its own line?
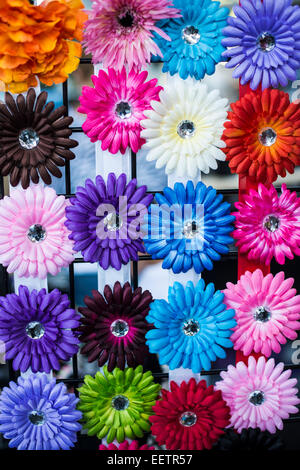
column 263, row 42
column 36, row 413
column 104, row 220
column 199, row 232
column 249, row 440
column 114, row 326
column 189, row 417
column 262, row 136
column 115, row 108
column 120, row 32
column 36, row 329
column 134, row 445
column 195, row 47
column 118, row 404
column 34, row 139
column 268, row 225
column 183, row 132
column 33, row 238
column 259, row 395
column 192, row 328
column 267, row 312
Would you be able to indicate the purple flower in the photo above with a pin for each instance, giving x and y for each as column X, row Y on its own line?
column 104, row 220
column 36, row 413
column 36, row 329
column 264, row 42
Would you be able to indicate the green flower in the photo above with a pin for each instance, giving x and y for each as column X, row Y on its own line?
column 118, row 404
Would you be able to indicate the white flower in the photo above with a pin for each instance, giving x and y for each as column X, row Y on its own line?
column 183, row 131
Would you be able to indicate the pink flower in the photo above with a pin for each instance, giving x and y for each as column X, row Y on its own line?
column 33, row 237
column 268, row 226
column 267, row 312
column 260, row 395
column 134, row 445
column 115, row 108
column 120, row 32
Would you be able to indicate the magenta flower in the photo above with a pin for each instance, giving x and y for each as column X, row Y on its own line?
column 268, row 225
column 259, row 395
column 120, row 32
column 267, row 312
column 115, row 108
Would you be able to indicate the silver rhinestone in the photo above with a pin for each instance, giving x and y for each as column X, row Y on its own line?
column 119, row 402
column 257, row 397
column 267, row 136
column 186, row 129
column 266, row 42
column 112, row 222
column 271, row 223
column 36, row 233
column 262, row 314
column 28, row 139
column 191, row 35
column 191, row 327
column 35, row 330
column 190, row 229
column 188, row 419
column 37, row 417
column 119, row 328
column 123, row 110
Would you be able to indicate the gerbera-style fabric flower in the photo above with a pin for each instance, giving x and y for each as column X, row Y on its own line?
column 34, row 139
column 259, row 395
column 262, row 136
column 36, row 413
column 183, row 132
column 134, row 445
column 199, row 233
column 195, row 47
column 267, row 312
column 263, row 42
column 189, row 417
column 33, row 238
column 120, row 32
column 114, row 326
column 36, row 329
column 192, row 328
column 115, row 108
column 104, row 220
column 249, row 440
column 268, row 225
column 118, row 404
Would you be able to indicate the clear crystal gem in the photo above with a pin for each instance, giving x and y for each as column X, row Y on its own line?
column 266, row 42
column 267, row 136
column 186, row 129
column 112, row 221
column 119, row 402
column 191, row 35
column 28, row 139
column 35, row 330
column 119, row 328
column 36, row 233
column 188, row 419
column 37, row 417
column 190, row 229
column 262, row 314
column 123, row 110
column 126, row 19
column 271, row 223
column 191, row 327
column 257, row 397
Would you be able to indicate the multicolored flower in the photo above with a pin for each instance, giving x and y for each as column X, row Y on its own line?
column 134, row 445
column 259, row 395
column 249, row 440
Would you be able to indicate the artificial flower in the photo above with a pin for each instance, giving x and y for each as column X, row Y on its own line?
column 192, row 328
column 262, row 136
column 189, row 417
column 259, row 395
column 249, row 440
column 267, row 312
column 134, row 445
column 118, row 404
column 183, row 131
column 199, row 233
column 36, row 413
column 120, row 32
column 263, row 42
column 104, row 220
column 33, row 238
column 115, row 108
column 195, row 47
column 114, row 326
column 36, row 329
column 268, row 225
column 34, row 139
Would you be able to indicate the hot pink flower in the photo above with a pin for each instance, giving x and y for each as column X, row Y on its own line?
column 33, row 237
column 260, row 395
column 134, row 445
column 268, row 225
column 115, row 108
column 120, row 32
column 266, row 310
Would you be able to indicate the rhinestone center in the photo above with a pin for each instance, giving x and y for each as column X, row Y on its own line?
column 191, row 35
column 266, row 42
column 119, row 402
column 257, row 397
column 267, row 136
column 191, row 327
column 186, row 129
column 113, row 222
column 36, row 233
column 188, row 419
column 190, row 229
column 119, row 328
column 37, row 417
column 126, row 19
column 262, row 314
column 28, row 139
column 123, row 110
column 35, row 330
column 271, row 223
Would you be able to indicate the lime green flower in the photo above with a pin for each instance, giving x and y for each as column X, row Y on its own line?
column 118, row 404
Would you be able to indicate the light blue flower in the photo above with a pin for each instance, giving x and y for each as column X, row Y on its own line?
column 192, row 328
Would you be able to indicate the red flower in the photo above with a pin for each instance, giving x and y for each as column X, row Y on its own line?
column 189, row 417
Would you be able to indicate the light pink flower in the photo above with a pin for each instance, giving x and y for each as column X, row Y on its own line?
column 120, row 32
column 33, row 237
column 259, row 395
column 266, row 310
column 268, row 225
column 115, row 108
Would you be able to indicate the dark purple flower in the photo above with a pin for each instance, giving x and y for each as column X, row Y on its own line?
column 104, row 220
column 36, row 328
column 36, row 413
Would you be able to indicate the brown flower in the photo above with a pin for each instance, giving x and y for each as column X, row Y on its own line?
column 34, row 138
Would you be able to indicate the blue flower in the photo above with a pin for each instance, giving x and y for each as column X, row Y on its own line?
column 195, row 235
column 192, row 328
column 195, row 47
